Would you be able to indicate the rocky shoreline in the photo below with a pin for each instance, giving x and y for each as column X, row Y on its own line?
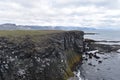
column 94, row 50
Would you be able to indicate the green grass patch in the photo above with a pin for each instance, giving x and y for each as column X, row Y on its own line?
column 21, row 35
column 72, row 59
column 14, row 33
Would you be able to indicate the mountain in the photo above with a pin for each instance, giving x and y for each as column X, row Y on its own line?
column 72, row 28
column 9, row 26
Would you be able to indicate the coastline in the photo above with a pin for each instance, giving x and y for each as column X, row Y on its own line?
column 51, row 56
column 97, row 54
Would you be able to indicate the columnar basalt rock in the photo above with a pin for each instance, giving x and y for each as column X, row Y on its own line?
column 51, row 58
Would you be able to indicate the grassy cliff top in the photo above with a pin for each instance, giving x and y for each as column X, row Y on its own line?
column 18, row 33
column 18, row 36
column 36, row 36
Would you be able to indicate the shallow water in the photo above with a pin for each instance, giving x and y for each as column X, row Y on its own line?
column 109, row 69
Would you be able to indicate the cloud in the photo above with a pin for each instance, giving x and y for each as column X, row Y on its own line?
column 87, row 13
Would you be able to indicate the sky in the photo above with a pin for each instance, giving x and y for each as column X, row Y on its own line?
column 83, row 13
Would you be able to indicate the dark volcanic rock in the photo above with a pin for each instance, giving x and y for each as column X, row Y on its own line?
column 99, row 62
column 95, row 56
column 90, row 55
column 93, row 45
column 46, row 60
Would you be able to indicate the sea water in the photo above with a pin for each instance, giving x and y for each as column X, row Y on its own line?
column 109, row 69
column 111, row 35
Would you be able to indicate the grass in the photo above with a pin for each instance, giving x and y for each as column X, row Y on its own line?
column 14, row 33
column 20, row 35
column 72, row 59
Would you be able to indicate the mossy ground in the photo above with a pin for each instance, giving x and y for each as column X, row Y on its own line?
column 20, row 35
column 72, row 59
column 14, row 33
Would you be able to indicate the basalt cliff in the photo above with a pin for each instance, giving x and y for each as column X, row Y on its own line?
column 49, row 57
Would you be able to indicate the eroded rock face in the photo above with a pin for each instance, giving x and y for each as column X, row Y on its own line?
column 28, row 60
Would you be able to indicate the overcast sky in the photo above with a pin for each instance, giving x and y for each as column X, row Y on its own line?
column 84, row 13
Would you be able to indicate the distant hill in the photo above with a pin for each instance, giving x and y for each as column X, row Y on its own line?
column 9, row 26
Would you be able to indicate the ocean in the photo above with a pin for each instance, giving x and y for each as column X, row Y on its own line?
column 109, row 68
column 106, row 35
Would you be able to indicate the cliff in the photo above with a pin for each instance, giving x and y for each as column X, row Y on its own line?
column 44, row 57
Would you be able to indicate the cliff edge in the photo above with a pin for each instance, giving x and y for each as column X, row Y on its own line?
column 44, row 57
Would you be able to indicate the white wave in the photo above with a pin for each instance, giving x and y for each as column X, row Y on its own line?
column 118, row 50
column 94, row 51
column 78, row 75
